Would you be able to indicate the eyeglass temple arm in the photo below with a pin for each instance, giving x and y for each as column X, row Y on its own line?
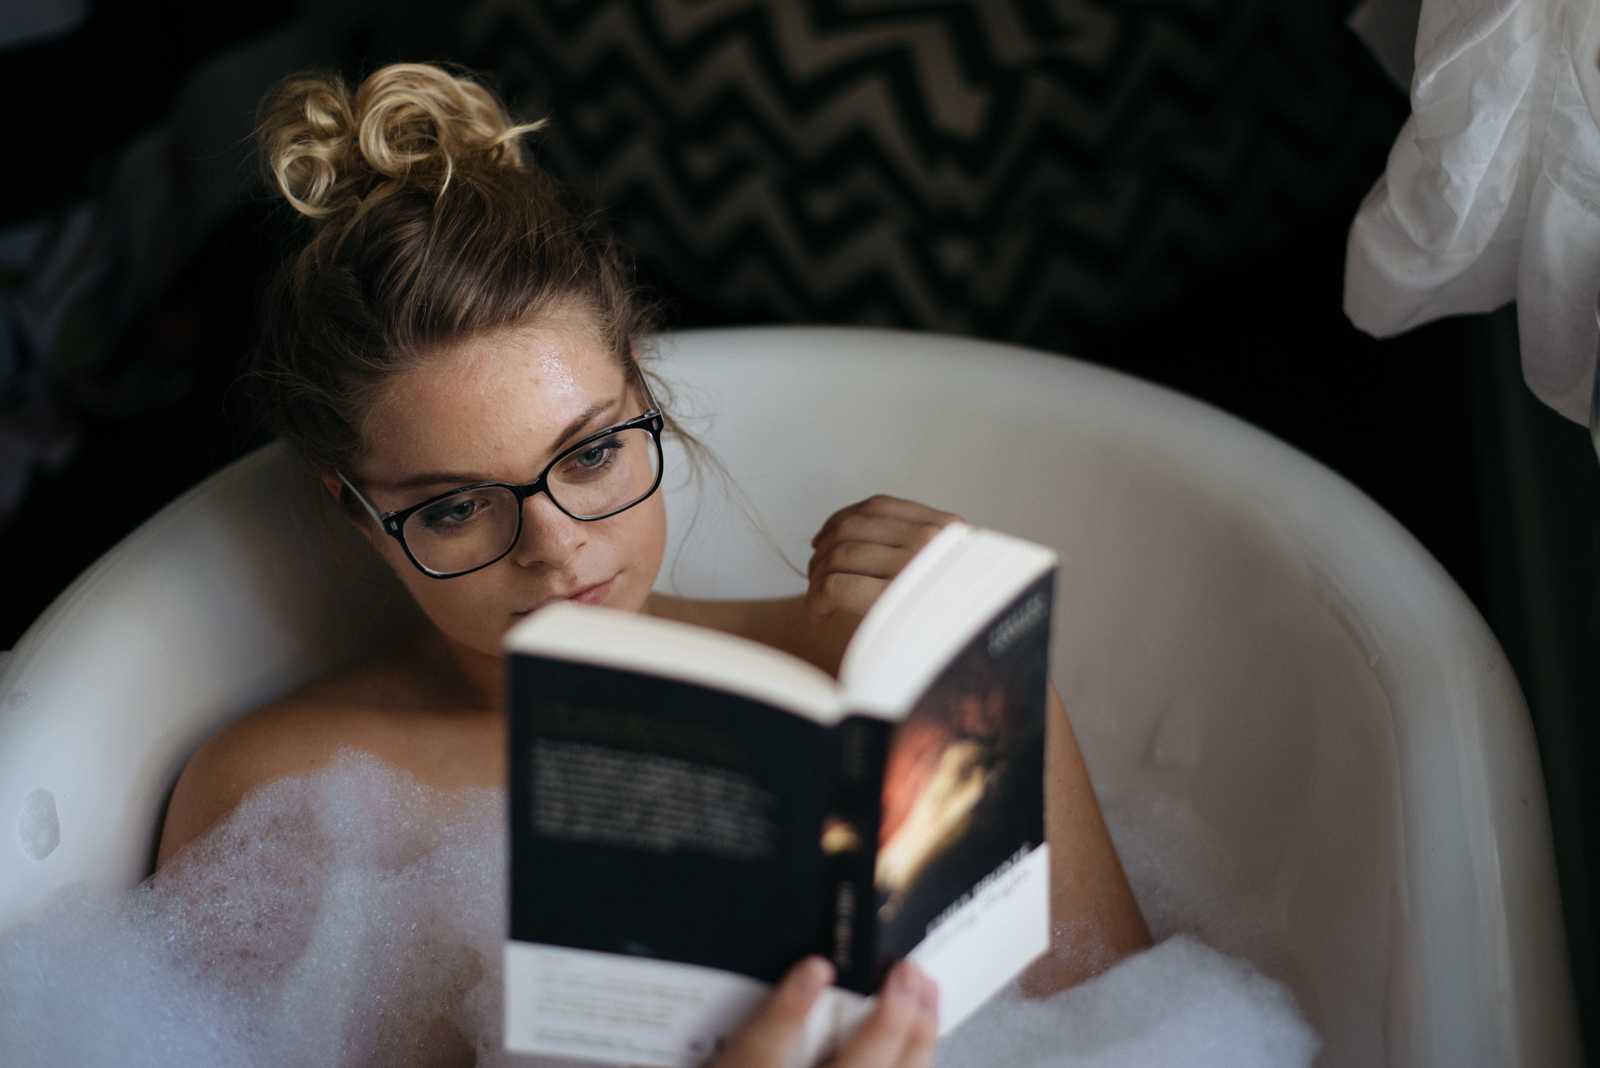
column 644, row 383
column 376, row 515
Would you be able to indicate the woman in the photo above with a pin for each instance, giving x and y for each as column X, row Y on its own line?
column 460, row 319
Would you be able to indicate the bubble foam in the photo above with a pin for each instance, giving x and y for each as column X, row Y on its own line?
column 355, row 917
column 1180, row 1003
column 297, row 933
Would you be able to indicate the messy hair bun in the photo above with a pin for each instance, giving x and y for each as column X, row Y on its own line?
column 430, row 226
column 408, row 122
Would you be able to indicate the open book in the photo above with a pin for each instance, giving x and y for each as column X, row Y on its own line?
column 692, row 813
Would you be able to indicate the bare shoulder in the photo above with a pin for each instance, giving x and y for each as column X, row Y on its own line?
column 293, row 735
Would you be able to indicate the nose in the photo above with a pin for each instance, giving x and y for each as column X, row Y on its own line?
column 549, row 536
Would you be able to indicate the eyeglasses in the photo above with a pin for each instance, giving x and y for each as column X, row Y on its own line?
column 468, row 529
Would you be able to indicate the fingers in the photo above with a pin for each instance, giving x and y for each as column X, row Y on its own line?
column 842, row 593
column 870, row 558
column 885, row 507
column 860, row 532
column 764, row 1039
column 861, row 548
column 903, row 1029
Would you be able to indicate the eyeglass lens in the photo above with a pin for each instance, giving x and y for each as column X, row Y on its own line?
column 476, row 526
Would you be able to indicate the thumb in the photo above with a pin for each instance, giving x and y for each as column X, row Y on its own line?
column 764, row 1039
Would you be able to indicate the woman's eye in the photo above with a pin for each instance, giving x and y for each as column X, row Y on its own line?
column 450, row 513
column 594, row 457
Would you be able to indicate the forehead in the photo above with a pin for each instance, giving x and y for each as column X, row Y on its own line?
column 492, row 407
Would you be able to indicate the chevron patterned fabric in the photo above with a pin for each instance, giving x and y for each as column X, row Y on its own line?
column 1031, row 170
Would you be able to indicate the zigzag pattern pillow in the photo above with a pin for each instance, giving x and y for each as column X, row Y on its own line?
column 1023, row 169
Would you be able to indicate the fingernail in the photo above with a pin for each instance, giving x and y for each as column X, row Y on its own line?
column 912, row 983
column 929, row 996
column 812, row 975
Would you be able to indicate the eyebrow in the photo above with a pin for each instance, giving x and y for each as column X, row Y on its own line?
column 573, row 429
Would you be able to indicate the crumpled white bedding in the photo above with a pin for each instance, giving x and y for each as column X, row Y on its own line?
column 1492, row 191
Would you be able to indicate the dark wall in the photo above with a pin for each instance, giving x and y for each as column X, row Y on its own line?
column 91, row 90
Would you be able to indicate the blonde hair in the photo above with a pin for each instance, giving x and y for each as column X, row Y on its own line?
column 326, row 150
column 429, row 226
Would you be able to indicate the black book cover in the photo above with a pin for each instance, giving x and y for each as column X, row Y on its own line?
column 963, row 788
column 658, row 818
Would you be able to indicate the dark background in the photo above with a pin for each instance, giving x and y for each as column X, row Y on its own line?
column 1436, row 426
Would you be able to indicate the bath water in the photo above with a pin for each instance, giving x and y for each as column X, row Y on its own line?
column 353, row 917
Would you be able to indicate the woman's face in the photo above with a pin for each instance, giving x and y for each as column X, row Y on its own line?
column 498, row 409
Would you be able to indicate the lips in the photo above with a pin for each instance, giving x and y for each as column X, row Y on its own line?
column 594, row 594
column 587, row 595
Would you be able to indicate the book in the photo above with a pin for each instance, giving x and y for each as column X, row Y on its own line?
column 692, row 812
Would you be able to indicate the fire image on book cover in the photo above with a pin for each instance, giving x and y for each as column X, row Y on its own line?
column 966, row 763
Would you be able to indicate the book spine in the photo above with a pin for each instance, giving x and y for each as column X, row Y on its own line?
column 850, row 841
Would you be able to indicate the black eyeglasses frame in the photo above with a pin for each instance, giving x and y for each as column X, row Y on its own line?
column 393, row 523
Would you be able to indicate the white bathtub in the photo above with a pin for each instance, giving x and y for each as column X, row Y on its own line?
column 1241, row 632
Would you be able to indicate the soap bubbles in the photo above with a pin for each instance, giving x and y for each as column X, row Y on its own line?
column 354, row 917
column 1180, row 1003
column 348, row 917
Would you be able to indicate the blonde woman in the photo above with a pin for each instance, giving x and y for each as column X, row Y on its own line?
column 453, row 355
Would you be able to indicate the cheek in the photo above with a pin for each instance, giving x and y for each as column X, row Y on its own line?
column 455, row 606
column 642, row 543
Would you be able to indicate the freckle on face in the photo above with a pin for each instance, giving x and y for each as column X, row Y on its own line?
column 493, row 409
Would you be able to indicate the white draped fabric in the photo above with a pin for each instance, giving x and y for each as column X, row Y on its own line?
column 1492, row 191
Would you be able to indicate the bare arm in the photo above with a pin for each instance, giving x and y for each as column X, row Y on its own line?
column 859, row 550
column 855, row 555
column 1094, row 917
column 214, row 781
column 290, row 736
column 408, row 707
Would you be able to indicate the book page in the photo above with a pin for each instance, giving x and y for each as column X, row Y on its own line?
column 673, row 650
column 989, row 937
column 626, row 1010
column 911, row 576
column 599, row 1006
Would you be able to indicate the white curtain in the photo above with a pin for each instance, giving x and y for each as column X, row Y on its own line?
column 1492, row 191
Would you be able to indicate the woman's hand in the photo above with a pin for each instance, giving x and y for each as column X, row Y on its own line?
column 902, row 1031
column 861, row 548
